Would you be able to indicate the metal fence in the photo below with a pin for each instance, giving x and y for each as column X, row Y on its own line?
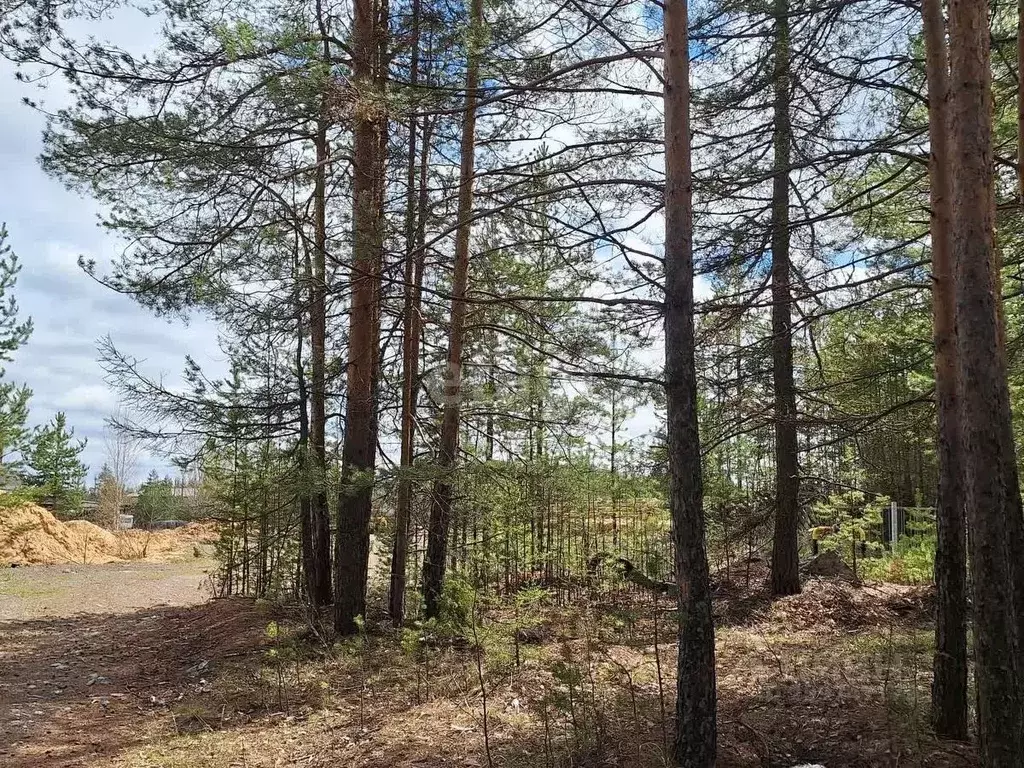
column 899, row 522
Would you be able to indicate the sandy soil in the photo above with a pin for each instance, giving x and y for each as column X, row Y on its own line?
column 63, row 590
column 128, row 666
column 89, row 653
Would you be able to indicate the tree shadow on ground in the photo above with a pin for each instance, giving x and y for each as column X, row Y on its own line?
column 74, row 691
column 807, row 701
column 84, row 691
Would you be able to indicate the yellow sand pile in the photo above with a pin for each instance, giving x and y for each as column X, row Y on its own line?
column 163, row 545
column 31, row 535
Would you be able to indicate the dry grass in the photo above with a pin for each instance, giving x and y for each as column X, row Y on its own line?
column 841, row 693
column 838, row 675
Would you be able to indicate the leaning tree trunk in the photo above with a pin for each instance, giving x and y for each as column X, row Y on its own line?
column 359, row 449
column 949, row 686
column 990, row 483
column 785, row 570
column 410, row 352
column 695, row 745
column 441, row 503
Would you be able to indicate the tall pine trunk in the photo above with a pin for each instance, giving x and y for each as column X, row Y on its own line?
column 785, row 571
column 1020, row 100
column 410, row 351
column 990, row 483
column 949, row 686
column 309, row 568
column 696, row 731
column 320, row 524
column 359, row 449
column 442, row 497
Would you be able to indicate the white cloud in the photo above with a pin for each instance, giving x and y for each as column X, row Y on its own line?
column 49, row 229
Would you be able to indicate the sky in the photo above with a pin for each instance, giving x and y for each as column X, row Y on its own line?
column 49, row 228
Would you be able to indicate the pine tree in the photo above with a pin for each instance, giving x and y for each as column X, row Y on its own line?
column 990, row 473
column 56, row 467
column 13, row 332
column 444, row 491
column 949, row 687
column 696, row 729
column 156, row 500
column 359, row 451
column 15, row 435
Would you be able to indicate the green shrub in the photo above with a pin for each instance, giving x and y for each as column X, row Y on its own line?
column 855, row 521
column 912, row 563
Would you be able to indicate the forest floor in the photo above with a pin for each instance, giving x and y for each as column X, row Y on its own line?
column 128, row 666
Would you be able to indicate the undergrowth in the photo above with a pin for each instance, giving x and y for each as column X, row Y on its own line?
column 519, row 681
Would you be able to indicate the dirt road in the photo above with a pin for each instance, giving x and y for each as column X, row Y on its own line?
column 90, row 655
column 63, row 590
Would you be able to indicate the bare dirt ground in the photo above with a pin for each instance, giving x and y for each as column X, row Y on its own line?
column 89, row 653
column 130, row 666
column 62, row 590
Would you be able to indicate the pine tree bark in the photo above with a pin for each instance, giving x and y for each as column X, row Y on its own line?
column 413, row 274
column 785, row 569
column 1020, row 100
column 443, row 492
column 359, row 449
column 990, row 483
column 305, row 502
column 320, row 525
column 696, row 730
column 949, row 685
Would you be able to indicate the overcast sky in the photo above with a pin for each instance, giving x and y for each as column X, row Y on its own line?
column 49, row 228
